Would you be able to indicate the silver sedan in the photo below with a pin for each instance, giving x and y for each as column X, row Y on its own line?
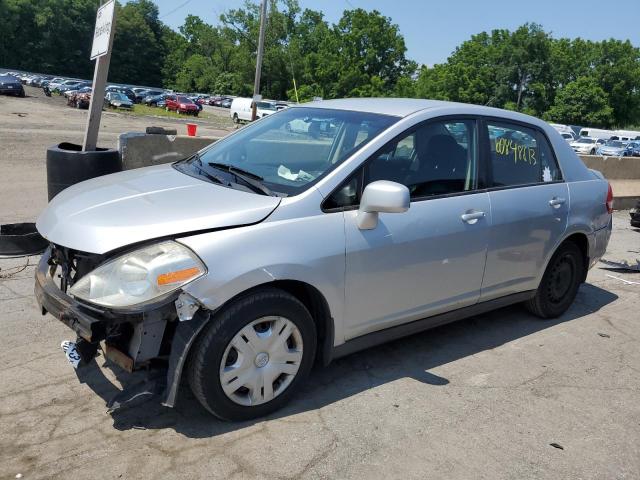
column 317, row 231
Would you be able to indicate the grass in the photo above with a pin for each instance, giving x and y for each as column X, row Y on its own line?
column 216, row 120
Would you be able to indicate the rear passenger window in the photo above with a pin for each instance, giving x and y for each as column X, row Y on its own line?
column 520, row 156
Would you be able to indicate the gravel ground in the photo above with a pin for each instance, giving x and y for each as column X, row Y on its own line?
column 28, row 126
column 484, row 398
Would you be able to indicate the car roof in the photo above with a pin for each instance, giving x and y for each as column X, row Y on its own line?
column 403, row 107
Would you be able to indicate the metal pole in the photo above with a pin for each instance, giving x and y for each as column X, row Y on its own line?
column 256, row 83
column 97, row 95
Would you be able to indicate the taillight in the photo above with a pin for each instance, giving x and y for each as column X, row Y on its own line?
column 610, row 200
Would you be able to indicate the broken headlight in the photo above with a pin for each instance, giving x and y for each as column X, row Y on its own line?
column 140, row 276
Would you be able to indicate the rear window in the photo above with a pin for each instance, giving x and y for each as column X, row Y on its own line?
column 520, row 156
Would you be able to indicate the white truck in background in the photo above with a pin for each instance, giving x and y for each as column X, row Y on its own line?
column 240, row 110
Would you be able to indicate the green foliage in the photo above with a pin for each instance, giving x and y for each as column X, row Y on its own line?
column 363, row 54
column 582, row 101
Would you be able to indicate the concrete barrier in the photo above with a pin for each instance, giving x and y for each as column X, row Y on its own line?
column 623, row 168
column 142, row 150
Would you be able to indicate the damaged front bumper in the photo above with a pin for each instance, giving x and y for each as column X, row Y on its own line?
column 157, row 337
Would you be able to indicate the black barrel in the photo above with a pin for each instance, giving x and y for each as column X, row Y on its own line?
column 67, row 165
column 20, row 239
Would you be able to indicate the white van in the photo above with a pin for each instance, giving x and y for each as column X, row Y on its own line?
column 240, row 110
column 563, row 129
column 596, row 133
column 627, row 134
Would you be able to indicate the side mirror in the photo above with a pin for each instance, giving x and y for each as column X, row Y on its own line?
column 381, row 196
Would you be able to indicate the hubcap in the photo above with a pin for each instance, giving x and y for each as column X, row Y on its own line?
column 261, row 361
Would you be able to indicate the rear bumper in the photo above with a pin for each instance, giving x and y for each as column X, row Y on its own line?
column 12, row 91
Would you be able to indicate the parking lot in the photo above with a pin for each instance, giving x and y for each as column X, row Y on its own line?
column 501, row 395
column 29, row 125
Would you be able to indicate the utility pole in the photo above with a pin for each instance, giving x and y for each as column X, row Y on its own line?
column 101, row 52
column 256, row 83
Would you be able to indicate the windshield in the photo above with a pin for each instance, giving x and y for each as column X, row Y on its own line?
column 614, row 143
column 184, row 100
column 119, row 96
column 292, row 149
column 585, row 140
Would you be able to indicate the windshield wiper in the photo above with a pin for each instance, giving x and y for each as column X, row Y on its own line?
column 208, row 175
column 251, row 179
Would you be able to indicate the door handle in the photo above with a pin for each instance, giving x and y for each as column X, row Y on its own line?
column 556, row 202
column 472, row 217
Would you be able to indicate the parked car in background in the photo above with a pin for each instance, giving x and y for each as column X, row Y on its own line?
column 72, row 91
column 151, row 100
column 587, row 145
column 567, row 136
column 68, row 85
column 139, row 93
column 596, row 133
column 219, row 100
column 80, row 98
column 124, row 90
column 141, row 96
column 265, row 108
column 241, row 109
column 181, row 104
column 615, row 148
column 634, row 148
column 154, row 100
column 269, row 252
column 10, row 85
column 83, row 100
column 226, row 102
column 55, row 82
column 117, row 100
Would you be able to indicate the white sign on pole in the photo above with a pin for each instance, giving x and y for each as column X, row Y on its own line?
column 103, row 30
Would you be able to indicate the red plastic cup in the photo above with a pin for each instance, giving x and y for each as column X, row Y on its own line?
column 191, row 129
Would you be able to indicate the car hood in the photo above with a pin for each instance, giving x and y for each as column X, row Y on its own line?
column 121, row 209
column 612, row 149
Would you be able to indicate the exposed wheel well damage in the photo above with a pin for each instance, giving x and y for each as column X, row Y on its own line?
column 581, row 240
column 318, row 307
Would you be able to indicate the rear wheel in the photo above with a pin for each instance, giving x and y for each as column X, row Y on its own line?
column 253, row 356
column 560, row 282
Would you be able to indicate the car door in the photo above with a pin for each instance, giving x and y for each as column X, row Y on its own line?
column 429, row 259
column 529, row 207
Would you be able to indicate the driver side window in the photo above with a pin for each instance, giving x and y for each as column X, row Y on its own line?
column 436, row 158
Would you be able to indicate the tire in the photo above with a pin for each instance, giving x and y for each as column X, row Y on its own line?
column 592, row 152
column 214, row 346
column 560, row 282
column 236, row 120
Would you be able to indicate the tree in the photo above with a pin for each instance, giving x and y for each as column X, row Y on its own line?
column 137, row 53
column 582, row 102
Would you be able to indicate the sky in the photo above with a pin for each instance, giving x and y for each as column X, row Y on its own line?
column 433, row 29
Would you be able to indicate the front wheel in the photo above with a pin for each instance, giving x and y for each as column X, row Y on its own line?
column 236, row 120
column 560, row 282
column 253, row 356
column 592, row 152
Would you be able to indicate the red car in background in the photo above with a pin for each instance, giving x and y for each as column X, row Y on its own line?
column 181, row 104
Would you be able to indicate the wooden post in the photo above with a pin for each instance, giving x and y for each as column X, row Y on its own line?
column 97, row 93
column 256, row 83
